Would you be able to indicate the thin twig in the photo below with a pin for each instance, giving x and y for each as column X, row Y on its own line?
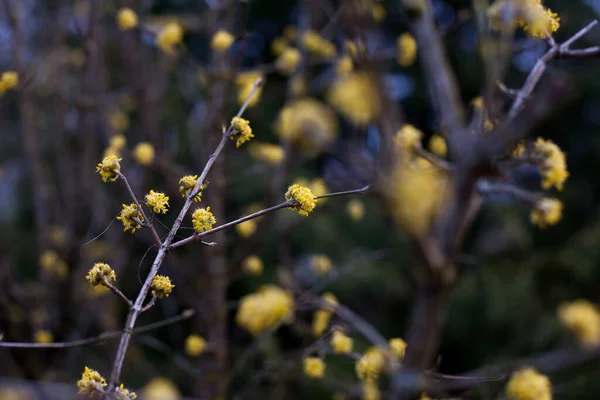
column 146, row 221
column 484, row 187
column 106, row 336
column 116, row 291
column 435, row 160
column 149, row 305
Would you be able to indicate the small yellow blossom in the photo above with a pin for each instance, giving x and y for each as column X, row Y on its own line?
column 157, row 201
column 187, row 185
column 245, row 82
column 279, row 44
column 264, row 309
column 519, row 150
column 242, row 131
column 303, row 197
column 370, row 390
column 546, row 212
column 318, row 45
column 100, row 274
column 127, row 19
column 398, row 347
column 378, row 12
column 308, row 123
column 528, row 384
column 252, row 265
column 107, row 168
column 170, row 35
column 246, row 229
column 160, row 389
column 118, row 120
column 203, row 219
column 408, row 138
column 43, row 336
column 437, row 145
column 370, row 365
column 91, row 384
column 552, row 163
column 221, row 41
column 582, row 318
column 8, row 80
column 118, row 142
column 344, row 65
column 538, row 21
column 53, row 264
column 58, row 235
column 356, row 97
column 271, row 154
column 341, row 343
column 130, row 217
column 323, row 316
column 288, row 61
column 355, row 209
column 194, row 345
column 407, row 49
column 144, row 153
column 121, row 393
column 314, row 367
column 161, row 286
column 321, row 264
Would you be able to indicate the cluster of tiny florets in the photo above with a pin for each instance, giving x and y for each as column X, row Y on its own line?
column 340, row 343
column 187, row 184
column 203, row 219
column 157, row 201
column 161, row 286
column 221, row 41
column 121, row 393
column 194, row 345
column 318, row 45
column 398, row 347
column 242, row 131
column 314, row 367
column 323, row 316
column 130, row 217
column 91, row 384
column 264, row 309
column 546, row 212
column 305, row 200
column 170, row 36
column 407, row 49
column 108, row 167
column 144, row 153
column 127, row 19
column 101, row 274
column 528, row 384
column 321, row 264
column 582, row 318
column 271, row 154
column 252, row 265
column 552, row 162
column 371, row 364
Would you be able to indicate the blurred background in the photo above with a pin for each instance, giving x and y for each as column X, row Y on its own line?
column 89, row 88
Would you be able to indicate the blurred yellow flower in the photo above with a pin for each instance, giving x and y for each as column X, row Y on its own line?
column 252, row 265
column 169, row 36
column 398, row 347
column 43, row 336
column 546, row 212
column 160, row 389
column 264, row 309
column 314, row 367
column 318, row 45
column 437, row 145
column 288, row 61
column 407, row 49
column 272, row 154
column 370, row 365
column 528, row 384
column 355, row 209
column 53, row 264
column 340, row 343
column 356, row 97
column 222, row 41
column 245, row 84
column 321, row 264
column 127, row 19
column 194, row 345
column 144, row 153
column 582, row 318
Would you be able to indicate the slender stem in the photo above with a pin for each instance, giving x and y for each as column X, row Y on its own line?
column 435, row 160
column 347, row 192
column 484, row 186
column 149, row 305
column 137, row 203
column 116, row 291
column 106, row 336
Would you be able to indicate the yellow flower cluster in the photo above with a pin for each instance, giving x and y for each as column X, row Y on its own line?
column 407, row 49
column 161, row 286
column 245, row 84
column 8, row 80
column 305, row 200
column 264, row 309
column 318, row 45
column 130, row 217
column 408, row 138
column 127, row 19
column 252, row 265
column 552, row 163
column 53, row 264
column 43, row 336
column 314, row 367
column 203, row 219
column 117, row 119
column 221, row 41
column 91, row 384
column 187, row 185
column 194, row 345
column 107, row 168
column 323, row 316
column 160, row 389
column 370, row 365
column 157, row 201
column 288, row 61
column 546, row 212
column 536, row 20
column 307, row 123
column 355, row 209
column 321, row 264
column 144, row 153
column 124, row 394
column 340, row 343
column 356, row 97
column 115, row 145
column 582, row 318
column 101, row 274
column 437, row 145
column 271, row 154
column 170, row 36
column 344, row 65
column 528, row 384
column 398, row 347
column 279, row 44
column 242, row 131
